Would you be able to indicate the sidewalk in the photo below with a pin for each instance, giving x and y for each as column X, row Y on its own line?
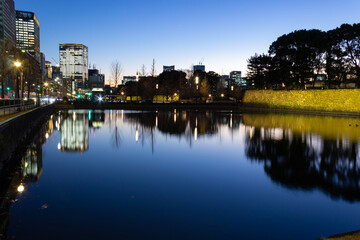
column 6, row 118
column 345, row 236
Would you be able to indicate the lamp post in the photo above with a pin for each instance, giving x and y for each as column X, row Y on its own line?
column 18, row 66
column 46, row 90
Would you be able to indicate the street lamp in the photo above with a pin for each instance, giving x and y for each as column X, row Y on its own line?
column 18, row 66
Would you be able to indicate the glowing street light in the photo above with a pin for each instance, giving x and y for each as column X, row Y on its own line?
column 17, row 64
column 232, row 88
column 197, row 80
column 21, row 188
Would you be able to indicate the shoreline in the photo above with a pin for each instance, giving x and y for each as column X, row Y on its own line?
column 239, row 108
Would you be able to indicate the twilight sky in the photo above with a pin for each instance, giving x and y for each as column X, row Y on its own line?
column 225, row 33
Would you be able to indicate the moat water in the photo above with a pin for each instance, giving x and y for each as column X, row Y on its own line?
column 184, row 175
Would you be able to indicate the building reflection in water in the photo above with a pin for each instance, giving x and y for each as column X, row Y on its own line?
column 75, row 132
column 75, row 127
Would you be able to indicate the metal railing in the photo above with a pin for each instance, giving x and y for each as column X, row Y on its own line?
column 15, row 105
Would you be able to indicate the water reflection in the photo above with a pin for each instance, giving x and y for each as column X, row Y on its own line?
column 18, row 175
column 296, row 152
column 306, row 157
column 75, row 127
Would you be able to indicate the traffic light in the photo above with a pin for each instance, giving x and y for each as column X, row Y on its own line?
column 8, row 88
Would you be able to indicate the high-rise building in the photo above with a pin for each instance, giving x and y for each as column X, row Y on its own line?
column 42, row 65
column 199, row 68
column 74, row 64
column 7, row 21
column 28, row 33
column 236, row 77
column 48, row 70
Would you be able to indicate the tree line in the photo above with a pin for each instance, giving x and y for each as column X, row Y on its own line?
column 301, row 58
column 197, row 85
column 10, row 75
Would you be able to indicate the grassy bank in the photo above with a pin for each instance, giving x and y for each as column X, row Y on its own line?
column 337, row 100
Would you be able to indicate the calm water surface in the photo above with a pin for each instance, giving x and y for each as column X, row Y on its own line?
column 184, row 175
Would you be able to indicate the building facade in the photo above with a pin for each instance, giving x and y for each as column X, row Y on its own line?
column 199, row 68
column 28, row 33
column 48, row 70
column 169, row 68
column 74, row 64
column 7, row 21
column 236, row 77
column 96, row 80
column 42, row 65
column 127, row 79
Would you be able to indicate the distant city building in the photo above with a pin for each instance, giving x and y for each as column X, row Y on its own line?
column 28, row 33
column 199, row 68
column 96, row 80
column 129, row 79
column 7, row 21
column 42, row 65
column 48, row 70
column 169, row 68
column 74, row 64
column 225, row 81
column 56, row 73
column 244, row 82
column 236, row 77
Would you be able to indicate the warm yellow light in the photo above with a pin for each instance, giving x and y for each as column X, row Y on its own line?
column 122, row 93
column 46, row 84
column 197, row 80
column 222, row 95
column 232, row 88
column 17, row 64
column 175, row 94
column 209, row 95
column 21, row 188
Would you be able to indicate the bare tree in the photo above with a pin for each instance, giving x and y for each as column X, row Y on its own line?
column 153, row 71
column 116, row 71
column 143, row 70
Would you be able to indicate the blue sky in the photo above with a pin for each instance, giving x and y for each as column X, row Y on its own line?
column 179, row 32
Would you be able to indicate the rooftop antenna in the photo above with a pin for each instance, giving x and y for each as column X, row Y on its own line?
column 201, row 61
